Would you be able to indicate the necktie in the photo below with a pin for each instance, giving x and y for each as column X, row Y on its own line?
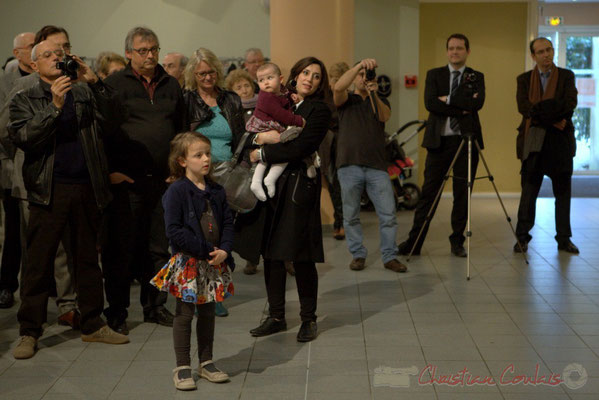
column 453, row 122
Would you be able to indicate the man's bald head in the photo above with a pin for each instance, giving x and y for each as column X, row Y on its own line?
column 22, row 45
column 45, row 55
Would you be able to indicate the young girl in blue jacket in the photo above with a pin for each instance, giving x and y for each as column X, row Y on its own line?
column 199, row 226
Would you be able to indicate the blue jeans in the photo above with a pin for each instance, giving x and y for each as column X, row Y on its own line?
column 353, row 179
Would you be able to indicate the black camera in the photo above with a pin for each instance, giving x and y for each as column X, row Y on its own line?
column 370, row 74
column 69, row 66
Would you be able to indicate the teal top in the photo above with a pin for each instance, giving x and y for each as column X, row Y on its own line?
column 219, row 133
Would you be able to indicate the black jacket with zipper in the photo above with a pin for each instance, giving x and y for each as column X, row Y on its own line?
column 229, row 102
column 143, row 127
column 33, row 127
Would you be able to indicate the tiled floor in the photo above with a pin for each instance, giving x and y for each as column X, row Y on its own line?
column 382, row 335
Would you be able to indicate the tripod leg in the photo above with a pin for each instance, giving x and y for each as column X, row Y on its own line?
column 507, row 217
column 436, row 201
column 468, row 229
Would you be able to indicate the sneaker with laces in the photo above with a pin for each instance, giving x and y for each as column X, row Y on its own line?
column 25, row 348
column 183, row 379
column 105, row 335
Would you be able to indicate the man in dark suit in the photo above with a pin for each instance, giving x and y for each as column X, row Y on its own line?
column 546, row 97
column 453, row 95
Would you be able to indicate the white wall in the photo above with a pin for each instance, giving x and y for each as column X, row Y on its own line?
column 227, row 27
column 388, row 31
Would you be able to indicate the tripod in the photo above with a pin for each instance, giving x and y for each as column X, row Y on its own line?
column 467, row 138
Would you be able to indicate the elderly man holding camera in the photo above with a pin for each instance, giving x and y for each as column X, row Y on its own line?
column 362, row 163
column 57, row 125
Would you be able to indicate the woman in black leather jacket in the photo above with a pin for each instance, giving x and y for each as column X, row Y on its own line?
column 214, row 111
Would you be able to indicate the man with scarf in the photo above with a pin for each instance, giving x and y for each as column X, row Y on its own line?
column 546, row 145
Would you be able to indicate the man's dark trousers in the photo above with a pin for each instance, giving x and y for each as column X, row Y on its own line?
column 72, row 205
column 436, row 166
column 11, row 249
column 140, row 247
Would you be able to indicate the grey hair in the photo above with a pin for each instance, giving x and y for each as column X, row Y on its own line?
column 209, row 58
column 252, row 50
column 34, row 52
column 145, row 33
column 183, row 61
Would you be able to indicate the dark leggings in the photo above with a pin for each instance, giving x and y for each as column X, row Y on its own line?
column 182, row 331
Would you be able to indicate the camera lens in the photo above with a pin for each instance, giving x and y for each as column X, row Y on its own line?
column 370, row 74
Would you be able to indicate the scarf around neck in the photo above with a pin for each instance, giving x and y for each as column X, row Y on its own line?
column 535, row 91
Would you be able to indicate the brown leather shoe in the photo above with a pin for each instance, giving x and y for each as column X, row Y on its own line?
column 357, row 264
column 71, row 318
column 395, row 266
column 339, row 233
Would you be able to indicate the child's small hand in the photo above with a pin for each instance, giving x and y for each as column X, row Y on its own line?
column 295, row 98
column 218, row 256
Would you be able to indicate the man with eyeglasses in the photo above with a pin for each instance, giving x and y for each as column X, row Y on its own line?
column 11, row 249
column 57, row 125
column 152, row 113
column 66, row 297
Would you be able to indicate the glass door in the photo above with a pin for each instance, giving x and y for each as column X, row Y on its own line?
column 577, row 49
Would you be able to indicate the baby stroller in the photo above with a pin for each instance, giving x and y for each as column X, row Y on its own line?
column 400, row 169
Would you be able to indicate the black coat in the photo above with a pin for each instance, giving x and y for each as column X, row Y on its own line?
column 293, row 230
column 32, row 128
column 437, row 85
column 144, row 127
column 547, row 112
column 288, row 227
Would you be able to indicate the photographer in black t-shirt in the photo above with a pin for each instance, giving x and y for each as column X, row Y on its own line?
column 361, row 163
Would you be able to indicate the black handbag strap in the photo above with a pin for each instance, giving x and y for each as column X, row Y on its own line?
column 239, row 148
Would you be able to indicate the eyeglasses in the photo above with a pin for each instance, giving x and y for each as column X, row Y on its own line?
column 144, row 52
column 203, row 75
column 48, row 53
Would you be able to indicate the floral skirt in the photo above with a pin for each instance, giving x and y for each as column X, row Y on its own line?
column 194, row 281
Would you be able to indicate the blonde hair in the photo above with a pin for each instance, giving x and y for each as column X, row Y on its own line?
column 179, row 146
column 197, row 57
column 338, row 69
column 237, row 75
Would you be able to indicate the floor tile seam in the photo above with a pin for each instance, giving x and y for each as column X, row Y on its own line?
column 417, row 336
column 307, row 371
column 263, row 315
column 12, row 362
column 132, row 360
column 470, row 333
column 364, row 336
column 64, row 371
